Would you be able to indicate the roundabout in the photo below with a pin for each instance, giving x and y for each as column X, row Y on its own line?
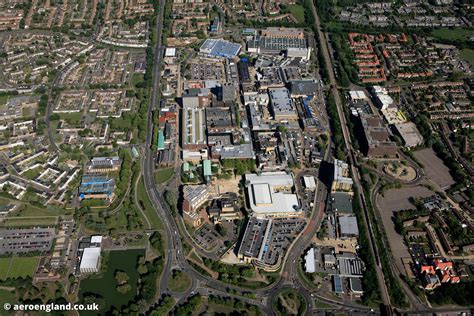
column 288, row 301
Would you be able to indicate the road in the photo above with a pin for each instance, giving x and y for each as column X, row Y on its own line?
column 324, row 46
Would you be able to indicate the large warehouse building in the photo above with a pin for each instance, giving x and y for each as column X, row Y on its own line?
column 270, row 194
column 220, row 48
column 90, row 261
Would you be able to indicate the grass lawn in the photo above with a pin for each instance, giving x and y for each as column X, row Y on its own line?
column 17, row 267
column 147, row 207
column 163, row 175
column 4, row 265
column 468, row 54
column 321, row 304
column 136, row 79
column 4, row 202
column 28, row 222
column 453, row 34
column 297, row 11
column 106, row 284
column 7, row 297
column 31, row 210
column 289, row 301
column 4, row 99
column 72, row 118
column 179, row 283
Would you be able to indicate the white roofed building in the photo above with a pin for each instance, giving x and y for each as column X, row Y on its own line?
column 90, row 261
column 271, row 195
column 342, row 180
column 310, row 262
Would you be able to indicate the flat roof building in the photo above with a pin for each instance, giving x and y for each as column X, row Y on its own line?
column 341, row 202
column 355, row 284
column 342, row 180
column 302, row 88
column 96, row 187
column 104, row 164
column 348, row 226
column 270, row 194
column 376, row 137
column 194, row 196
column 253, row 241
column 410, row 134
column 283, row 108
column 193, row 134
column 309, row 182
column 310, row 262
column 283, row 32
column 90, row 261
column 337, row 283
column 220, row 48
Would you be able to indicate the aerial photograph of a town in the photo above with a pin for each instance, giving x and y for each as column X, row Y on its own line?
column 236, row 157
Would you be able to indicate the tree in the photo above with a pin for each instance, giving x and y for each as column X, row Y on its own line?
column 121, row 277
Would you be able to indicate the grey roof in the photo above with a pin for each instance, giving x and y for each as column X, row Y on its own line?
column 303, row 87
column 281, row 101
column 355, row 284
column 348, row 226
column 341, row 202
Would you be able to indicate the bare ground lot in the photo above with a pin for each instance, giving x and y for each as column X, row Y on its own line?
column 394, row 201
column 434, row 167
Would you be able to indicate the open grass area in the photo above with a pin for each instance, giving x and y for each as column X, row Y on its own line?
column 71, row 118
column 468, row 55
column 15, row 267
column 7, row 297
column 453, row 34
column 31, row 210
column 297, row 11
column 106, row 284
column 163, row 175
column 147, row 207
column 29, row 221
column 136, row 79
column 321, row 304
column 289, row 302
column 4, row 99
column 180, row 282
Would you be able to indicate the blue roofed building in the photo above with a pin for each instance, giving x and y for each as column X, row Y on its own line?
column 220, row 48
column 161, row 140
column 97, row 187
column 207, row 169
column 337, row 283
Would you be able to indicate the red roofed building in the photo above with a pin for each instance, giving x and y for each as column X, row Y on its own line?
column 427, row 269
column 441, row 265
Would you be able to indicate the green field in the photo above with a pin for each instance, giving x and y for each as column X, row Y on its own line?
column 31, row 210
column 289, row 301
column 16, row 267
column 30, row 221
column 297, row 11
column 7, row 297
column 468, row 55
column 4, row 99
column 71, row 118
column 105, row 285
column 180, row 282
column 163, row 175
column 453, row 34
column 147, row 207
column 136, row 79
